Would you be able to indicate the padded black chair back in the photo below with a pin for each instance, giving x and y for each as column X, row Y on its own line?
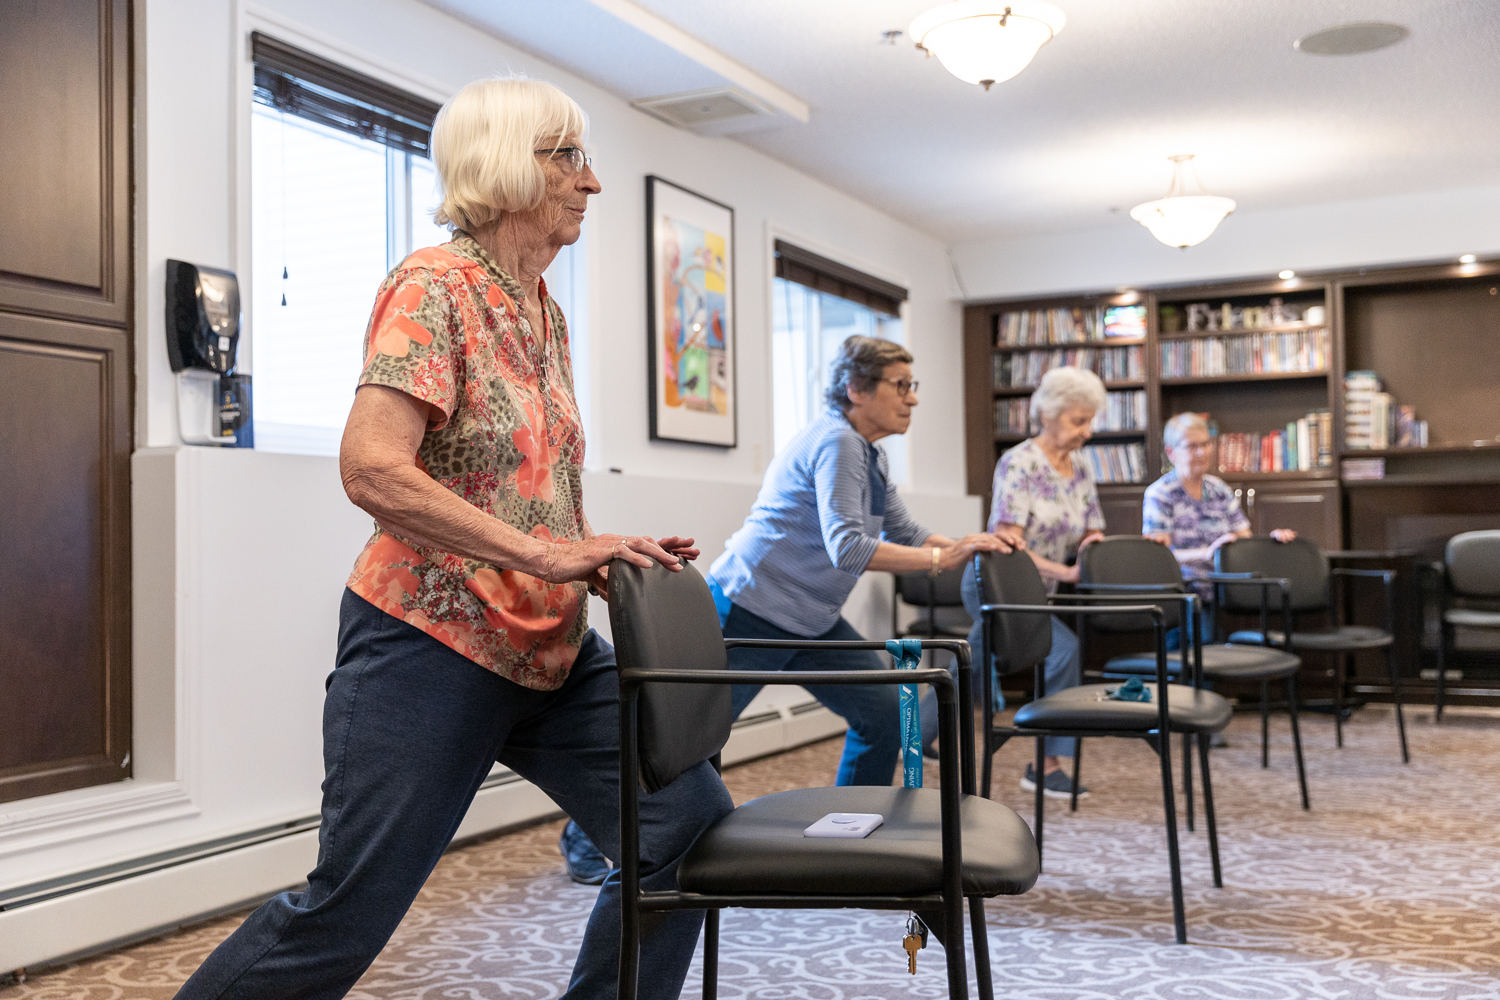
column 1473, row 560
column 667, row 621
column 919, row 590
column 1131, row 559
column 1299, row 561
column 1020, row 641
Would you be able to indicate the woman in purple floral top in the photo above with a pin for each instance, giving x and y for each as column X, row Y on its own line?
column 1040, row 490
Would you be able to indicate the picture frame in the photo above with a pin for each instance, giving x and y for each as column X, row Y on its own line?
column 690, row 294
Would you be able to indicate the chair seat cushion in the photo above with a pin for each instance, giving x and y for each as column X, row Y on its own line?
column 1086, row 707
column 1346, row 639
column 759, row 848
column 1472, row 618
column 1227, row 662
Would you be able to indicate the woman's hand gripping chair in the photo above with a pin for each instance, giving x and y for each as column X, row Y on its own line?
column 935, row 848
column 1018, row 636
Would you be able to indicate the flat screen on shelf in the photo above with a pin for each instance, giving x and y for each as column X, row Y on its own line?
column 1125, row 321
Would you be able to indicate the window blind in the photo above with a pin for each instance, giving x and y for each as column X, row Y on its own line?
column 818, row 272
column 299, row 83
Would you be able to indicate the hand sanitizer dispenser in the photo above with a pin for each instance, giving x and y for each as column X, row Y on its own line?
column 203, row 333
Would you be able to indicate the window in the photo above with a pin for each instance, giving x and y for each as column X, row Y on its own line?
column 816, row 305
column 341, row 190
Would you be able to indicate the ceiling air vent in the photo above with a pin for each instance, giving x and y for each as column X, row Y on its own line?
column 699, row 108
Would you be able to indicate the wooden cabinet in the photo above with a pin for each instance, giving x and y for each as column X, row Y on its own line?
column 65, row 395
column 1308, row 507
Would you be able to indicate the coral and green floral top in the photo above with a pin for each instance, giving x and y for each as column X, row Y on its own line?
column 505, row 435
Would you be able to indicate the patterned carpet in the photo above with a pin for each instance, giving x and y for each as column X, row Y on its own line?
column 1389, row 889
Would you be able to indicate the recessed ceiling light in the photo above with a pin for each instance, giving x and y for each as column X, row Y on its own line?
column 1287, row 275
column 1351, row 39
column 1467, row 258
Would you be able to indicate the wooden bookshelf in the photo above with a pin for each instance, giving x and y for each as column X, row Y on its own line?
column 1248, row 377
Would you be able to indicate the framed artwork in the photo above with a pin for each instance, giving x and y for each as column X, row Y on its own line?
column 690, row 316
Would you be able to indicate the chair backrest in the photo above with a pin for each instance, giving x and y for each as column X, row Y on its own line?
column 1473, row 560
column 919, row 590
column 1131, row 559
column 1299, row 561
column 667, row 621
column 1020, row 641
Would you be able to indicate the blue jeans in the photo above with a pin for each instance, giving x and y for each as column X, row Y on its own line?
column 1062, row 669
column 873, row 742
column 410, row 730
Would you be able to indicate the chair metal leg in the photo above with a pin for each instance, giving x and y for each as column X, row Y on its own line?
column 1291, row 709
column 1390, row 660
column 979, row 933
column 1041, row 756
column 1208, row 810
column 1341, row 675
column 1442, row 670
column 953, row 948
column 711, row 955
column 1187, row 778
column 987, row 768
column 1077, row 769
column 1265, row 726
column 1162, row 744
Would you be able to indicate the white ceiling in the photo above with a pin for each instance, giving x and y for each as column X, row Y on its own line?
column 1082, row 134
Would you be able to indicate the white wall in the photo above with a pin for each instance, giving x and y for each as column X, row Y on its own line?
column 240, row 557
column 1425, row 226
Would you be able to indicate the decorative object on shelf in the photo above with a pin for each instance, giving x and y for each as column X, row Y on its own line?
column 1246, row 354
column 1373, row 420
column 1125, row 322
column 984, row 42
column 1180, row 219
column 1274, row 315
column 690, row 316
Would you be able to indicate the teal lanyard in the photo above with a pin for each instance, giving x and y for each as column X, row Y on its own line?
column 908, row 656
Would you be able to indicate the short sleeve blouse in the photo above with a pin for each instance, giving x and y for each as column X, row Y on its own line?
column 1054, row 512
column 505, row 436
column 1193, row 524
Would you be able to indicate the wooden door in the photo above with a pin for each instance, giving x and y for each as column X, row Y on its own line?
column 65, row 395
column 1308, row 507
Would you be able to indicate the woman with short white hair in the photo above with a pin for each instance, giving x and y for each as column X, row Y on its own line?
column 1049, row 496
column 463, row 631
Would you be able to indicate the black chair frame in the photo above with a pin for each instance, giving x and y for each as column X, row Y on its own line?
column 1158, row 739
column 956, row 757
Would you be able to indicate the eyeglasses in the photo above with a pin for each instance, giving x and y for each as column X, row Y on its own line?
column 1198, row 446
column 903, row 387
column 571, row 156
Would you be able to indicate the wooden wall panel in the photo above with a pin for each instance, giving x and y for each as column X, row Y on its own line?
column 63, row 610
column 64, row 116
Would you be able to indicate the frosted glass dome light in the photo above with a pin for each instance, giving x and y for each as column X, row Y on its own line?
column 984, row 42
column 1181, row 219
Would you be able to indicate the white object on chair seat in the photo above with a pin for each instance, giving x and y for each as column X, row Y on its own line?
column 854, row 826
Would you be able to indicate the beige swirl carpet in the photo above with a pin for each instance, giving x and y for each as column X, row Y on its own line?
column 1388, row 890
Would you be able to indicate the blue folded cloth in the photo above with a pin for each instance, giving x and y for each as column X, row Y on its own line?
column 1131, row 690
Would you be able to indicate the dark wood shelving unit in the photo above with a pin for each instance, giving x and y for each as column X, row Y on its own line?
column 1026, row 390
column 1431, row 332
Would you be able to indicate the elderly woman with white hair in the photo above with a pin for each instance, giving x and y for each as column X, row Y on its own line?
column 1193, row 512
column 1042, row 490
column 463, row 633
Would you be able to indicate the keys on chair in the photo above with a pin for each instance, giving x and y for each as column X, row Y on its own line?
column 915, row 941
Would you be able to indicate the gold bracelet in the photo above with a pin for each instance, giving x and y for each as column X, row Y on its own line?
column 935, row 556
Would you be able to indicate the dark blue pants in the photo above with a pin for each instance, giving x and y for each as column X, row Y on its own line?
column 872, row 745
column 410, row 729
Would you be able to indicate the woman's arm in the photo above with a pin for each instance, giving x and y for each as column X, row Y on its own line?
column 378, row 466
column 892, row 558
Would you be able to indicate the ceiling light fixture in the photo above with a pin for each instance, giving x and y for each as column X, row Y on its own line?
column 1287, row 275
column 985, row 42
column 1467, row 258
column 1181, row 219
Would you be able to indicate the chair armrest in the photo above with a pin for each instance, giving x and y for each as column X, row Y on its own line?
column 1157, row 618
column 1387, row 575
column 1387, row 578
column 1224, row 577
column 1369, row 554
column 935, row 676
column 1190, row 617
column 1123, row 587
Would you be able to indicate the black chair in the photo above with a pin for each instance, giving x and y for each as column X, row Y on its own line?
column 942, row 600
column 1310, row 591
column 1470, row 595
column 1125, row 563
column 936, row 847
column 1018, row 631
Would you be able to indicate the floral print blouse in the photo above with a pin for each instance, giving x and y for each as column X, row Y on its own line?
column 1193, row 524
column 505, row 435
column 1055, row 513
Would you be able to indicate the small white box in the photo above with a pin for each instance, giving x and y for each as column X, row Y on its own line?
column 848, row 825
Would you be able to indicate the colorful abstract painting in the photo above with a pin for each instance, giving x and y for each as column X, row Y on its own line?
column 691, row 316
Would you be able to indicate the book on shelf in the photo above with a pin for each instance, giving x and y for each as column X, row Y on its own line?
column 1114, row 463
column 1364, row 468
column 1301, row 446
column 1013, row 416
column 1373, row 419
column 1123, row 411
column 1245, row 354
column 1024, row 369
column 1043, row 327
